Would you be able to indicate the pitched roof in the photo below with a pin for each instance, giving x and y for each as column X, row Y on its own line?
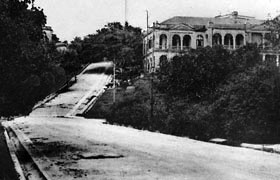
column 206, row 20
column 261, row 27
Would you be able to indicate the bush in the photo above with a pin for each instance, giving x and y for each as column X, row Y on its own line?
column 249, row 105
column 130, row 112
column 211, row 93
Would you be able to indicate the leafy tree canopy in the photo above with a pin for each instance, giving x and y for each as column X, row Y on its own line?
column 27, row 70
column 113, row 42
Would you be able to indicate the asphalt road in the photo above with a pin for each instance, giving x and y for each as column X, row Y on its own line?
column 88, row 149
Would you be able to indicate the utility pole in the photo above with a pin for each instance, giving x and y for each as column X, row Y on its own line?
column 152, row 77
column 125, row 12
column 147, row 13
column 114, row 81
column 146, row 43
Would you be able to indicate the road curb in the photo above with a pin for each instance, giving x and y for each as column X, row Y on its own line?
column 15, row 160
column 40, row 160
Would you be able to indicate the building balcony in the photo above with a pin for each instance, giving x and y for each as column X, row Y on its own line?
column 228, row 46
column 178, row 48
column 186, row 47
column 164, row 47
column 238, row 46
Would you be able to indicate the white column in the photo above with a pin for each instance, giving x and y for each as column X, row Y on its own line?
column 234, row 41
column 277, row 60
column 263, row 36
column 170, row 41
column 244, row 40
column 182, row 37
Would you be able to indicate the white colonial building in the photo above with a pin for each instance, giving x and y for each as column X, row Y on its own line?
column 175, row 36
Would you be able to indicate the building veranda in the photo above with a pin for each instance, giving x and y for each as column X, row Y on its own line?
column 176, row 36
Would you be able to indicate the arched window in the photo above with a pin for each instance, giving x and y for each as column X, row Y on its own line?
column 186, row 41
column 176, row 42
column 163, row 62
column 163, row 41
column 228, row 41
column 217, row 39
column 148, row 65
column 239, row 41
column 149, row 44
column 199, row 41
column 163, row 59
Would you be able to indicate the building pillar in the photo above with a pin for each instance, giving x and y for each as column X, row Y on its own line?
column 223, row 39
column 263, row 36
column 170, row 41
column 244, row 40
column 210, row 37
column 182, row 38
column 249, row 37
column 234, row 42
column 263, row 57
column 277, row 60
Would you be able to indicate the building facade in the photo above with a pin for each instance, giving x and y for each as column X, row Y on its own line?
column 177, row 35
column 48, row 32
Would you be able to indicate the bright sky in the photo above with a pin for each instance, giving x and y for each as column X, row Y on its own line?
column 71, row 18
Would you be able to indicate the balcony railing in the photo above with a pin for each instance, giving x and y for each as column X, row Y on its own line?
column 162, row 46
column 186, row 47
column 228, row 46
column 238, row 46
column 176, row 47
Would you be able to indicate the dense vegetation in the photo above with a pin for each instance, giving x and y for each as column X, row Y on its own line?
column 27, row 70
column 208, row 93
column 113, row 42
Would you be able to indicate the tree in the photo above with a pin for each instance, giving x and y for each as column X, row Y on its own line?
column 248, row 105
column 196, row 75
column 26, row 64
column 113, row 42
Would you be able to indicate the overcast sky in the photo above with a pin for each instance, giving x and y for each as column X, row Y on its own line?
column 71, row 18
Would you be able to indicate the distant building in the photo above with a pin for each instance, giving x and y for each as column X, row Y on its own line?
column 175, row 36
column 61, row 47
column 48, row 32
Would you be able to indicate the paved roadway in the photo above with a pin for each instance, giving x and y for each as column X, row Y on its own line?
column 88, row 84
column 89, row 149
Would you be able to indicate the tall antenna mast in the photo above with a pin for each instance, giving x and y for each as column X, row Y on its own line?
column 147, row 13
column 125, row 12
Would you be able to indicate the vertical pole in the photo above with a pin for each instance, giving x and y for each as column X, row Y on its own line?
column 152, row 80
column 114, row 82
column 146, row 58
column 154, row 46
column 277, row 60
column 147, row 13
column 125, row 12
column 152, row 98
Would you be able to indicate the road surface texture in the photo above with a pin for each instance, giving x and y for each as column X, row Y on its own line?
column 88, row 149
column 65, row 147
column 89, row 84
